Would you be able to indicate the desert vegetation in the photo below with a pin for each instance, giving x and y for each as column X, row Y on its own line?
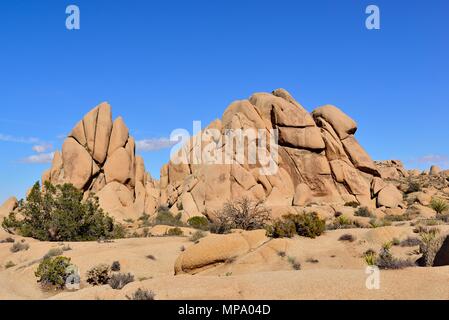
column 240, row 214
column 59, row 213
column 385, row 259
column 306, row 225
column 53, row 272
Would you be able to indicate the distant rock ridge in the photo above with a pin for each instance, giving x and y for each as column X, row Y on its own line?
column 319, row 159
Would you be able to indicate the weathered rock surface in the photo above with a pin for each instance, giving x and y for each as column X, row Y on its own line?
column 218, row 249
column 7, row 207
column 99, row 156
column 318, row 159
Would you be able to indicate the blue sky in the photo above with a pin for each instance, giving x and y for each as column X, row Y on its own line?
column 163, row 64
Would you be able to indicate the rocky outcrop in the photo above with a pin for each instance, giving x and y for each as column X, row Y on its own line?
column 99, row 156
column 318, row 160
column 7, row 207
column 267, row 148
column 218, row 249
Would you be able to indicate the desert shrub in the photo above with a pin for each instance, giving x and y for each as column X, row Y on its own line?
column 439, row 205
column 385, row 260
column 220, row 225
column 115, row 266
column 53, row 252
column 282, row 254
column 294, row 263
column 98, row 275
column 243, row 214
column 59, row 213
column 375, row 223
column 306, row 225
column 9, row 264
column 282, row 228
column 7, row 240
column 431, row 242
column 402, row 217
column 119, row 280
column 165, row 217
column 353, row 204
column 396, row 242
column 347, row 237
column 370, row 257
column 19, row 246
column 410, row 242
column 343, row 222
column 200, row 223
column 145, row 220
column 197, row 236
column 174, row 232
column 363, row 212
column 142, row 294
column 443, row 217
column 312, row 260
column 413, row 186
column 146, row 232
column 53, row 272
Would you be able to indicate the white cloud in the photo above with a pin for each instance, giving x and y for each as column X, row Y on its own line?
column 9, row 138
column 39, row 158
column 41, row 148
column 154, row 144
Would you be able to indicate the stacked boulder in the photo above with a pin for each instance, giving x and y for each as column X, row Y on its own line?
column 99, row 156
column 318, row 157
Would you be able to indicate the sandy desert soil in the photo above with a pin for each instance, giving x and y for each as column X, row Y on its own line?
column 330, row 269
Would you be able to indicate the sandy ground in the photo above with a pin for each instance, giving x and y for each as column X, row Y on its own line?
column 330, row 269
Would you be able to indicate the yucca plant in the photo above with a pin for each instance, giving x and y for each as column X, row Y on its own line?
column 439, row 205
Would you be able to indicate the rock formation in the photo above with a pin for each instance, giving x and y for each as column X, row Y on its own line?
column 316, row 160
column 319, row 161
column 99, row 156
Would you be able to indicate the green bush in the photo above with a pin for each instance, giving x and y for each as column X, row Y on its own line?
column 197, row 236
column 145, row 219
column 282, row 228
column 53, row 272
column 439, row 205
column 58, row 213
column 430, row 243
column 119, row 280
column 19, row 246
column 353, row 204
column 363, row 212
column 165, row 217
column 413, row 186
column 306, row 225
column 98, row 275
column 53, row 252
column 116, row 266
column 343, row 222
column 176, row 232
column 385, row 260
column 200, row 223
